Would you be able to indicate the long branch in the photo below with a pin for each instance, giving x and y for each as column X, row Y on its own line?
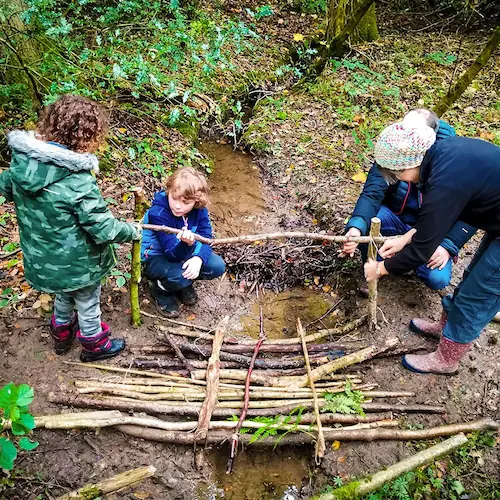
column 251, row 238
column 320, row 443
column 246, row 398
column 376, row 481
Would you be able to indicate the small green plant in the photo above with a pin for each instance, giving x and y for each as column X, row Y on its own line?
column 8, row 297
column 441, row 58
column 261, row 12
column 348, row 401
column 120, row 277
column 15, row 421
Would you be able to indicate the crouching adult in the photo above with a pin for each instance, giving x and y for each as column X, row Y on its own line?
column 459, row 179
column 397, row 206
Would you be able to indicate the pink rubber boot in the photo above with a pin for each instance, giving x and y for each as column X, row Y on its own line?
column 443, row 361
column 431, row 329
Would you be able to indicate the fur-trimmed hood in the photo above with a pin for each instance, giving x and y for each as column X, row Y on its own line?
column 38, row 165
column 26, row 143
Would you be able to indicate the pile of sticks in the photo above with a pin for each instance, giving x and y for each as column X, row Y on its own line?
column 195, row 409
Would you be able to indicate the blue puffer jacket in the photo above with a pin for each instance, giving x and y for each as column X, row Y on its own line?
column 405, row 200
column 168, row 245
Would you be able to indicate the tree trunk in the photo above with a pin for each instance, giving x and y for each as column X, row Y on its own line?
column 465, row 80
column 340, row 13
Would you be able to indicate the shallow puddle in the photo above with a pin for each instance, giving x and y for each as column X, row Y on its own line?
column 257, row 475
column 236, row 191
column 281, row 310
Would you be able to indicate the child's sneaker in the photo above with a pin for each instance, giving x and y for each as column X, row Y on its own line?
column 64, row 334
column 99, row 346
column 168, row 307
column 188, row 295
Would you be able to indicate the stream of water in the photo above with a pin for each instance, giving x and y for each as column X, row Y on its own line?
column 238, row 207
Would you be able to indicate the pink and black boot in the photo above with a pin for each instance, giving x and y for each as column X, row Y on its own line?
column 431, row 329
column 64, row 334
column 443, row 361
column 99, row 346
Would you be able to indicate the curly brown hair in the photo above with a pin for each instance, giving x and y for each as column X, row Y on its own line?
column 190, row 184
column 75, row 122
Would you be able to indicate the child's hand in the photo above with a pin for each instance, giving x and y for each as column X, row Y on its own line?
column 349, row 247
column 192, row 268
column 186, row 236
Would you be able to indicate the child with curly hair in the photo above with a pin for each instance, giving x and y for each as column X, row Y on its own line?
column 173, row 262
column 65, row 228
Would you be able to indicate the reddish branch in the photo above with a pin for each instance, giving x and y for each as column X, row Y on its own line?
column 246, row 399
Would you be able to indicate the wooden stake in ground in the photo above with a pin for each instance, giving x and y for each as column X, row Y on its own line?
column 246, row 399
column 213, row 369
column 114, row 483
column 320, row 443
column 372, row 286
column 140, row 207
column 357, row 489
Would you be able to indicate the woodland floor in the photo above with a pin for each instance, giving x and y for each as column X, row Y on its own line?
column 307, row 145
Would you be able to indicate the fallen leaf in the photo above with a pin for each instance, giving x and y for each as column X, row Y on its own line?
column 37, row 304
column 122, row 130
column 297, row 37
column 327, row 288
column 142, row 495
column 191, row 317
column 342, row 459
column 316, row 280
column 336, row 445
column 359, row 177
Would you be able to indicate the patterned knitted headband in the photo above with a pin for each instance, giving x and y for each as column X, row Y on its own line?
column 400, row 147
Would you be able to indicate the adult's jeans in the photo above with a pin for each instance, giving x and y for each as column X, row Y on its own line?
column 476, row 299
column 88, row 304
column 392, row 225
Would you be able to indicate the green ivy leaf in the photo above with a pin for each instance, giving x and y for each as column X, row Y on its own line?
column 8, row 454
column 26, row 444
column 120, row 281
column 25, row 395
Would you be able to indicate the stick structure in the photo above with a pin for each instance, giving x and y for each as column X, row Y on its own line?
column 372, row 286
column 355, row 490
column 114, row 483
column 251, row 238
column 320, row 443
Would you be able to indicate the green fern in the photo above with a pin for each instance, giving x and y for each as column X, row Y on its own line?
column 348, row 402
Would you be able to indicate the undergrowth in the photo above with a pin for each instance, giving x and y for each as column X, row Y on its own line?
column 459, row 476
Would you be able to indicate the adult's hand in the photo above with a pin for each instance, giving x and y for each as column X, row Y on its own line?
column 439, row 258
column 392, row 247
column 371, row 270
column 349, row 247
column 192, row 268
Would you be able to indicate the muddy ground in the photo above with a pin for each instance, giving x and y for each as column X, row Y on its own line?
column 67, row 460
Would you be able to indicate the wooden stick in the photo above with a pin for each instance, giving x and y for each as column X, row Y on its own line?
column 376, row 481
column 369, row 435
column 372, row 285
column 114, row 483
column 250, row 238
column 110, row 368
column 212, row 378
column 246, row 399
column 141, row 204
column 337, row 364
column 175, row 322
column 184, row 332
column 320, row 447
column 178, row 352
column 193, row 409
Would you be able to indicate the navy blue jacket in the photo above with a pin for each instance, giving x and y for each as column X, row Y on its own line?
column 168, row 245
column 459, row 179
column 403, row 199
